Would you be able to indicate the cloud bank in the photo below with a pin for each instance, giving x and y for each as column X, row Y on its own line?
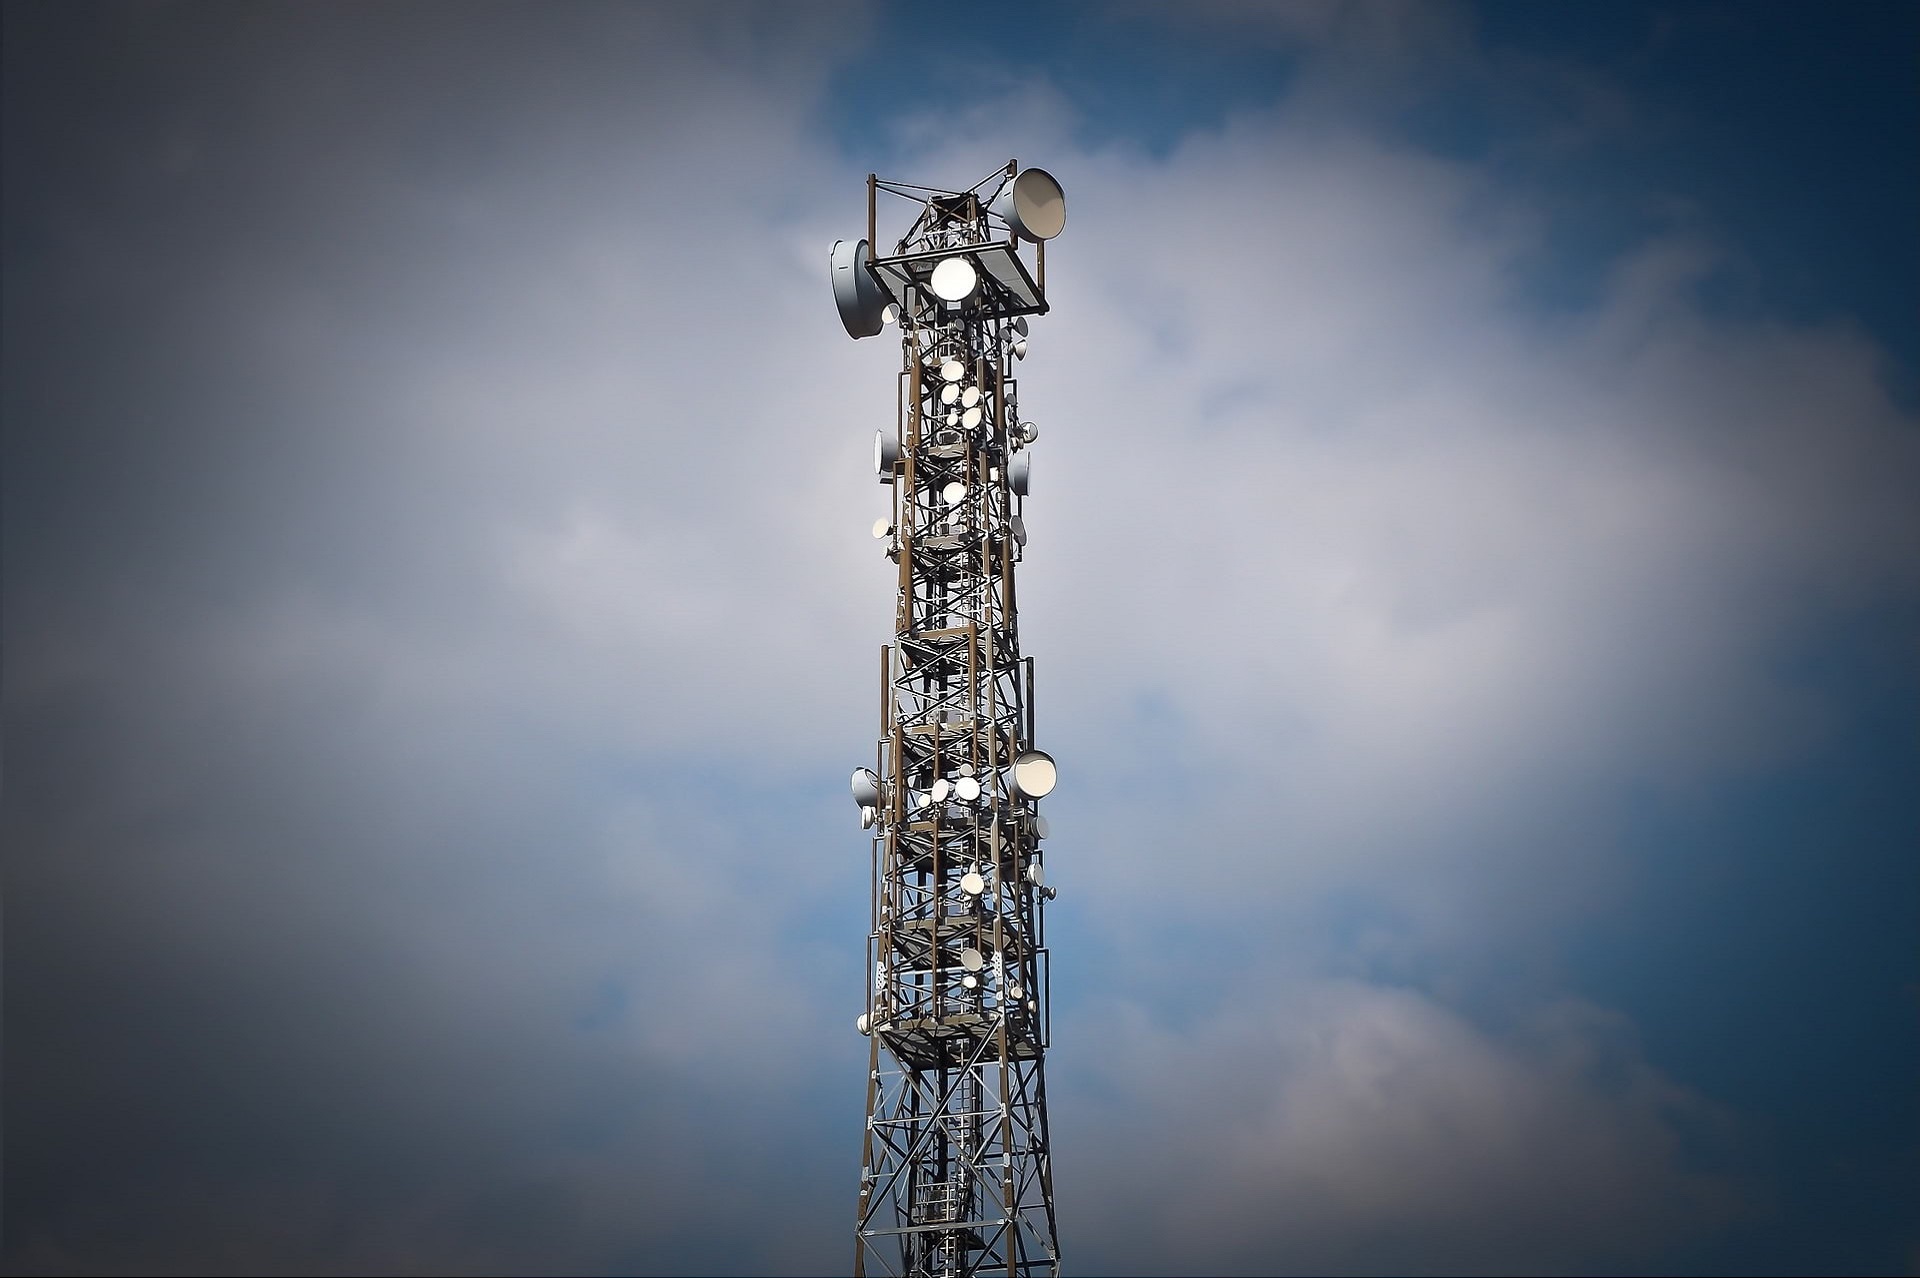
column 440, row 614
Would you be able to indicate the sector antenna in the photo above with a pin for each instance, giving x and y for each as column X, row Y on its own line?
column 956, row 1175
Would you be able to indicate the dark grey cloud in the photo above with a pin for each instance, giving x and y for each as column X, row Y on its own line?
column 349, row 929
column 1347, row 1127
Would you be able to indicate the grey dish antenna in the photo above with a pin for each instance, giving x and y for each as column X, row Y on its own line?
column 1033, row 205
column 862, row 302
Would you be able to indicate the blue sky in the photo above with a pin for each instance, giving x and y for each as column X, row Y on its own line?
column 1474, row 588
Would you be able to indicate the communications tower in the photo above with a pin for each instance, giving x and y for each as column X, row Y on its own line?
column 956, row 1177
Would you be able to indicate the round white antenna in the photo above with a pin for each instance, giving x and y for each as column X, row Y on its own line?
column 866, row 788
column 950, row 393
column 1035, row 874
column 973, row 883
column 882, row 527
column 1034, row 774
column 970, row 397
column 971, row 418
column 952, row 371
column 891, row 314
column 968, row 789
column 939, row 791
column 954, row 493
column 954, row 280
column 972, row 961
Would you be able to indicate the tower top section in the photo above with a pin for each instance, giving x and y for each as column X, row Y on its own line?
column 959, row 260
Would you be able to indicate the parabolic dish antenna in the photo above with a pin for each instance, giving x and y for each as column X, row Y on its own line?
column 953, row 280
column 971, row 418
column 886, row 452
column 882, row 527
column 859, row 297
column 950, row 393
column 968, row 789
column 972, row 961
column 1033, row 205
column 1020, row 474
column 954, row 493
column 866, row 788
column 938, row 792
column 974, row 883
column 952, row 371
column 970, row 397
column 1034, row 774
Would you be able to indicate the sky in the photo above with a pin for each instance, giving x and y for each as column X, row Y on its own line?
column 1474, row 582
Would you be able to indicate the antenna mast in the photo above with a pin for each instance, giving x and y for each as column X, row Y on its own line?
column 956, row 1176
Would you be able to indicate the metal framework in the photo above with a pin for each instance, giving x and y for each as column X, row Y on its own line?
column 956, row 1176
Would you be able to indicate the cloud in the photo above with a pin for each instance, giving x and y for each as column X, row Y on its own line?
column 1405, row 561
column 1338, row 1126
column 440, row 617
column 385, row 905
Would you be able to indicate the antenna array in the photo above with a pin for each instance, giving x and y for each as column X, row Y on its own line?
column 956, row 1174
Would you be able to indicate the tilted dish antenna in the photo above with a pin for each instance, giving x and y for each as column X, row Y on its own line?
column 1033, row 205
column 862, row 302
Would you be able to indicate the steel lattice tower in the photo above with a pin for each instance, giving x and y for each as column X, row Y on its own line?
column 956, row 1174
